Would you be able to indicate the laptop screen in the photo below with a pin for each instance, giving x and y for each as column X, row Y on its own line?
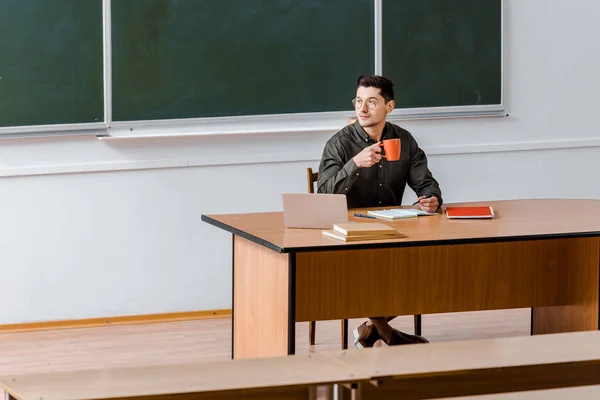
column 314, row 210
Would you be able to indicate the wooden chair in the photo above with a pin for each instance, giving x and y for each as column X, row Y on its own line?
column 312, row 177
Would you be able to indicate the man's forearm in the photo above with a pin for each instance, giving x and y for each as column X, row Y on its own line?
column 340, row 182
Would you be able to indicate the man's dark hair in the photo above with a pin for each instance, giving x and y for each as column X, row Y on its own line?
column 385, row 85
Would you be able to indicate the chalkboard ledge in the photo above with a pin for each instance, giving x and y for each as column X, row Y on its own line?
column 255, row 124
column 282, row 123
column 43, row 131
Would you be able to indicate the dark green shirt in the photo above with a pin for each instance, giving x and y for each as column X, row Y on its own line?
column 382, row 184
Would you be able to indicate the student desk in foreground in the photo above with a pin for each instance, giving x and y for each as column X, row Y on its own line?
column 541, row 253
column 436, row 370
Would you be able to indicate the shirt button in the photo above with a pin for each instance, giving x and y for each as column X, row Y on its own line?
column 380, row 166
column 357, row 174
column 346, row 189
column 381, row 184
column 380, row 202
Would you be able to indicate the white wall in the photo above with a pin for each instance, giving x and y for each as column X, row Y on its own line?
column 130, row 240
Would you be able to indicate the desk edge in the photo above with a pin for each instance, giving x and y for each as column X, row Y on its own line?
column 380, row 245
column 243, row 234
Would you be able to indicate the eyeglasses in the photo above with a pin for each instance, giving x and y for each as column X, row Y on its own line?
column 358, row 103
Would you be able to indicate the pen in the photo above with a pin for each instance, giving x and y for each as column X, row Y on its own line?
column 364, row 216
column 417, row 202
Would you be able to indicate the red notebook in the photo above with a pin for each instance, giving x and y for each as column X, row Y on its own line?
column 470, row 212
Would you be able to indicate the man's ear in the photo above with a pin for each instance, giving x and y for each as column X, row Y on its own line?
column 389, row 106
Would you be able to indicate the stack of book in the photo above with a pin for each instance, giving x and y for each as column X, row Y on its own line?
column 354, row 231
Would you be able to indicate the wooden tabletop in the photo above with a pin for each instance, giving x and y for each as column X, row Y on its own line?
column 438, row 358
column 477, row 367
column 168, row 379
column 575, row 393
column 572, row 351
column 515, row 220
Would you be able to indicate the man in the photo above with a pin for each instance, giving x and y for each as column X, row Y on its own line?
column 352, row 164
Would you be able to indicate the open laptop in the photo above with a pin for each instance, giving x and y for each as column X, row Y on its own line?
column 314, row 210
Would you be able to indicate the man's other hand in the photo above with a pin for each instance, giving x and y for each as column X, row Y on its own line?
column 368, row 157
column 428, row 204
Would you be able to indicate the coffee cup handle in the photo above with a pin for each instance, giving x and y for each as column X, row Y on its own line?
column 380, row 144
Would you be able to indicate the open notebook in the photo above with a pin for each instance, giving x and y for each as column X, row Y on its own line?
column 398, row 213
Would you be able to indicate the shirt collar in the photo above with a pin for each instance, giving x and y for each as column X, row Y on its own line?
column 363, row 135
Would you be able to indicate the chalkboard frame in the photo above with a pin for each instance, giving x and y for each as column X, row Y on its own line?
column 64, row 129
column 299, row 122
column 470, row 111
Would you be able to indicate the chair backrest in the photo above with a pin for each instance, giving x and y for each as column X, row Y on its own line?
column 311, row 177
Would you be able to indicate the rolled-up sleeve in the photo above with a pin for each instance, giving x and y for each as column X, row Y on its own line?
column 337, row 171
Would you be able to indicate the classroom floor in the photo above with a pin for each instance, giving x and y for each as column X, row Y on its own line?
column 204, row 340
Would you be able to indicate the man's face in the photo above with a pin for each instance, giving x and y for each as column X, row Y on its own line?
column 366, row 98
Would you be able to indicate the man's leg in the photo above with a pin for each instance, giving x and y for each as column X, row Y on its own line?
column 384, row 329
column 370, row 331
column 366, row 334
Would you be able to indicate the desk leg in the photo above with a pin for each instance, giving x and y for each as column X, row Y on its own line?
column 233, row 296
column 581, row 279
column 264, row 301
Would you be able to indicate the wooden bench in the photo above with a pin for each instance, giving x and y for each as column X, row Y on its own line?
column 297, row 377
column 478, row 367
column 430, row 371
column 574, row 393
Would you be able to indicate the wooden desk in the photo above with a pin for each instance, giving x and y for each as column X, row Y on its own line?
column 576, row 393
column 503, row 365
column 292, row 378
column 438, row 370
column 542, row 254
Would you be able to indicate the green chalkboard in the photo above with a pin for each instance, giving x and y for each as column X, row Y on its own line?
column 212, row 58
column 206, row 58
column 51, row 62
column 443, row 52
